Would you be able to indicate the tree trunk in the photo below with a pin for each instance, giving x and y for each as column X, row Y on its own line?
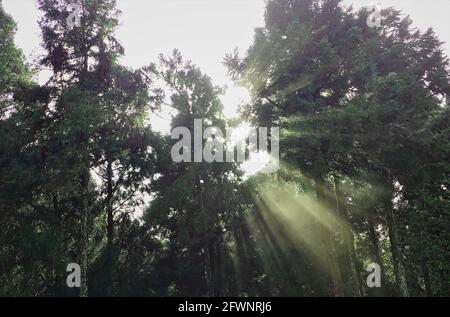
column 426, row 278
column 208, row 273
column 355, row 281
column 373, row 237
column 57, row 256
column 84, row 181
column 399, row 269
column 209, row 279
column 109, row 206
column 332, row 262
column 84, row 233
column 110, row 229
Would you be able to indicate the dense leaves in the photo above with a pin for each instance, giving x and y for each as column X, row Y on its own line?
column 363, row 178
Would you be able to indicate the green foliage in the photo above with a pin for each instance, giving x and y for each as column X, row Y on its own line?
column 364, row 173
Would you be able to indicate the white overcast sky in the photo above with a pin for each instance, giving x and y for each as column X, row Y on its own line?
column 205, row 30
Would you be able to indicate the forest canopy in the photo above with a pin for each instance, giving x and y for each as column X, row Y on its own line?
column 363, row 178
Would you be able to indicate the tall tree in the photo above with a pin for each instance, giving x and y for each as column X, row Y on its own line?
column 101, row 107
column 321, row 71
column 191, row 203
